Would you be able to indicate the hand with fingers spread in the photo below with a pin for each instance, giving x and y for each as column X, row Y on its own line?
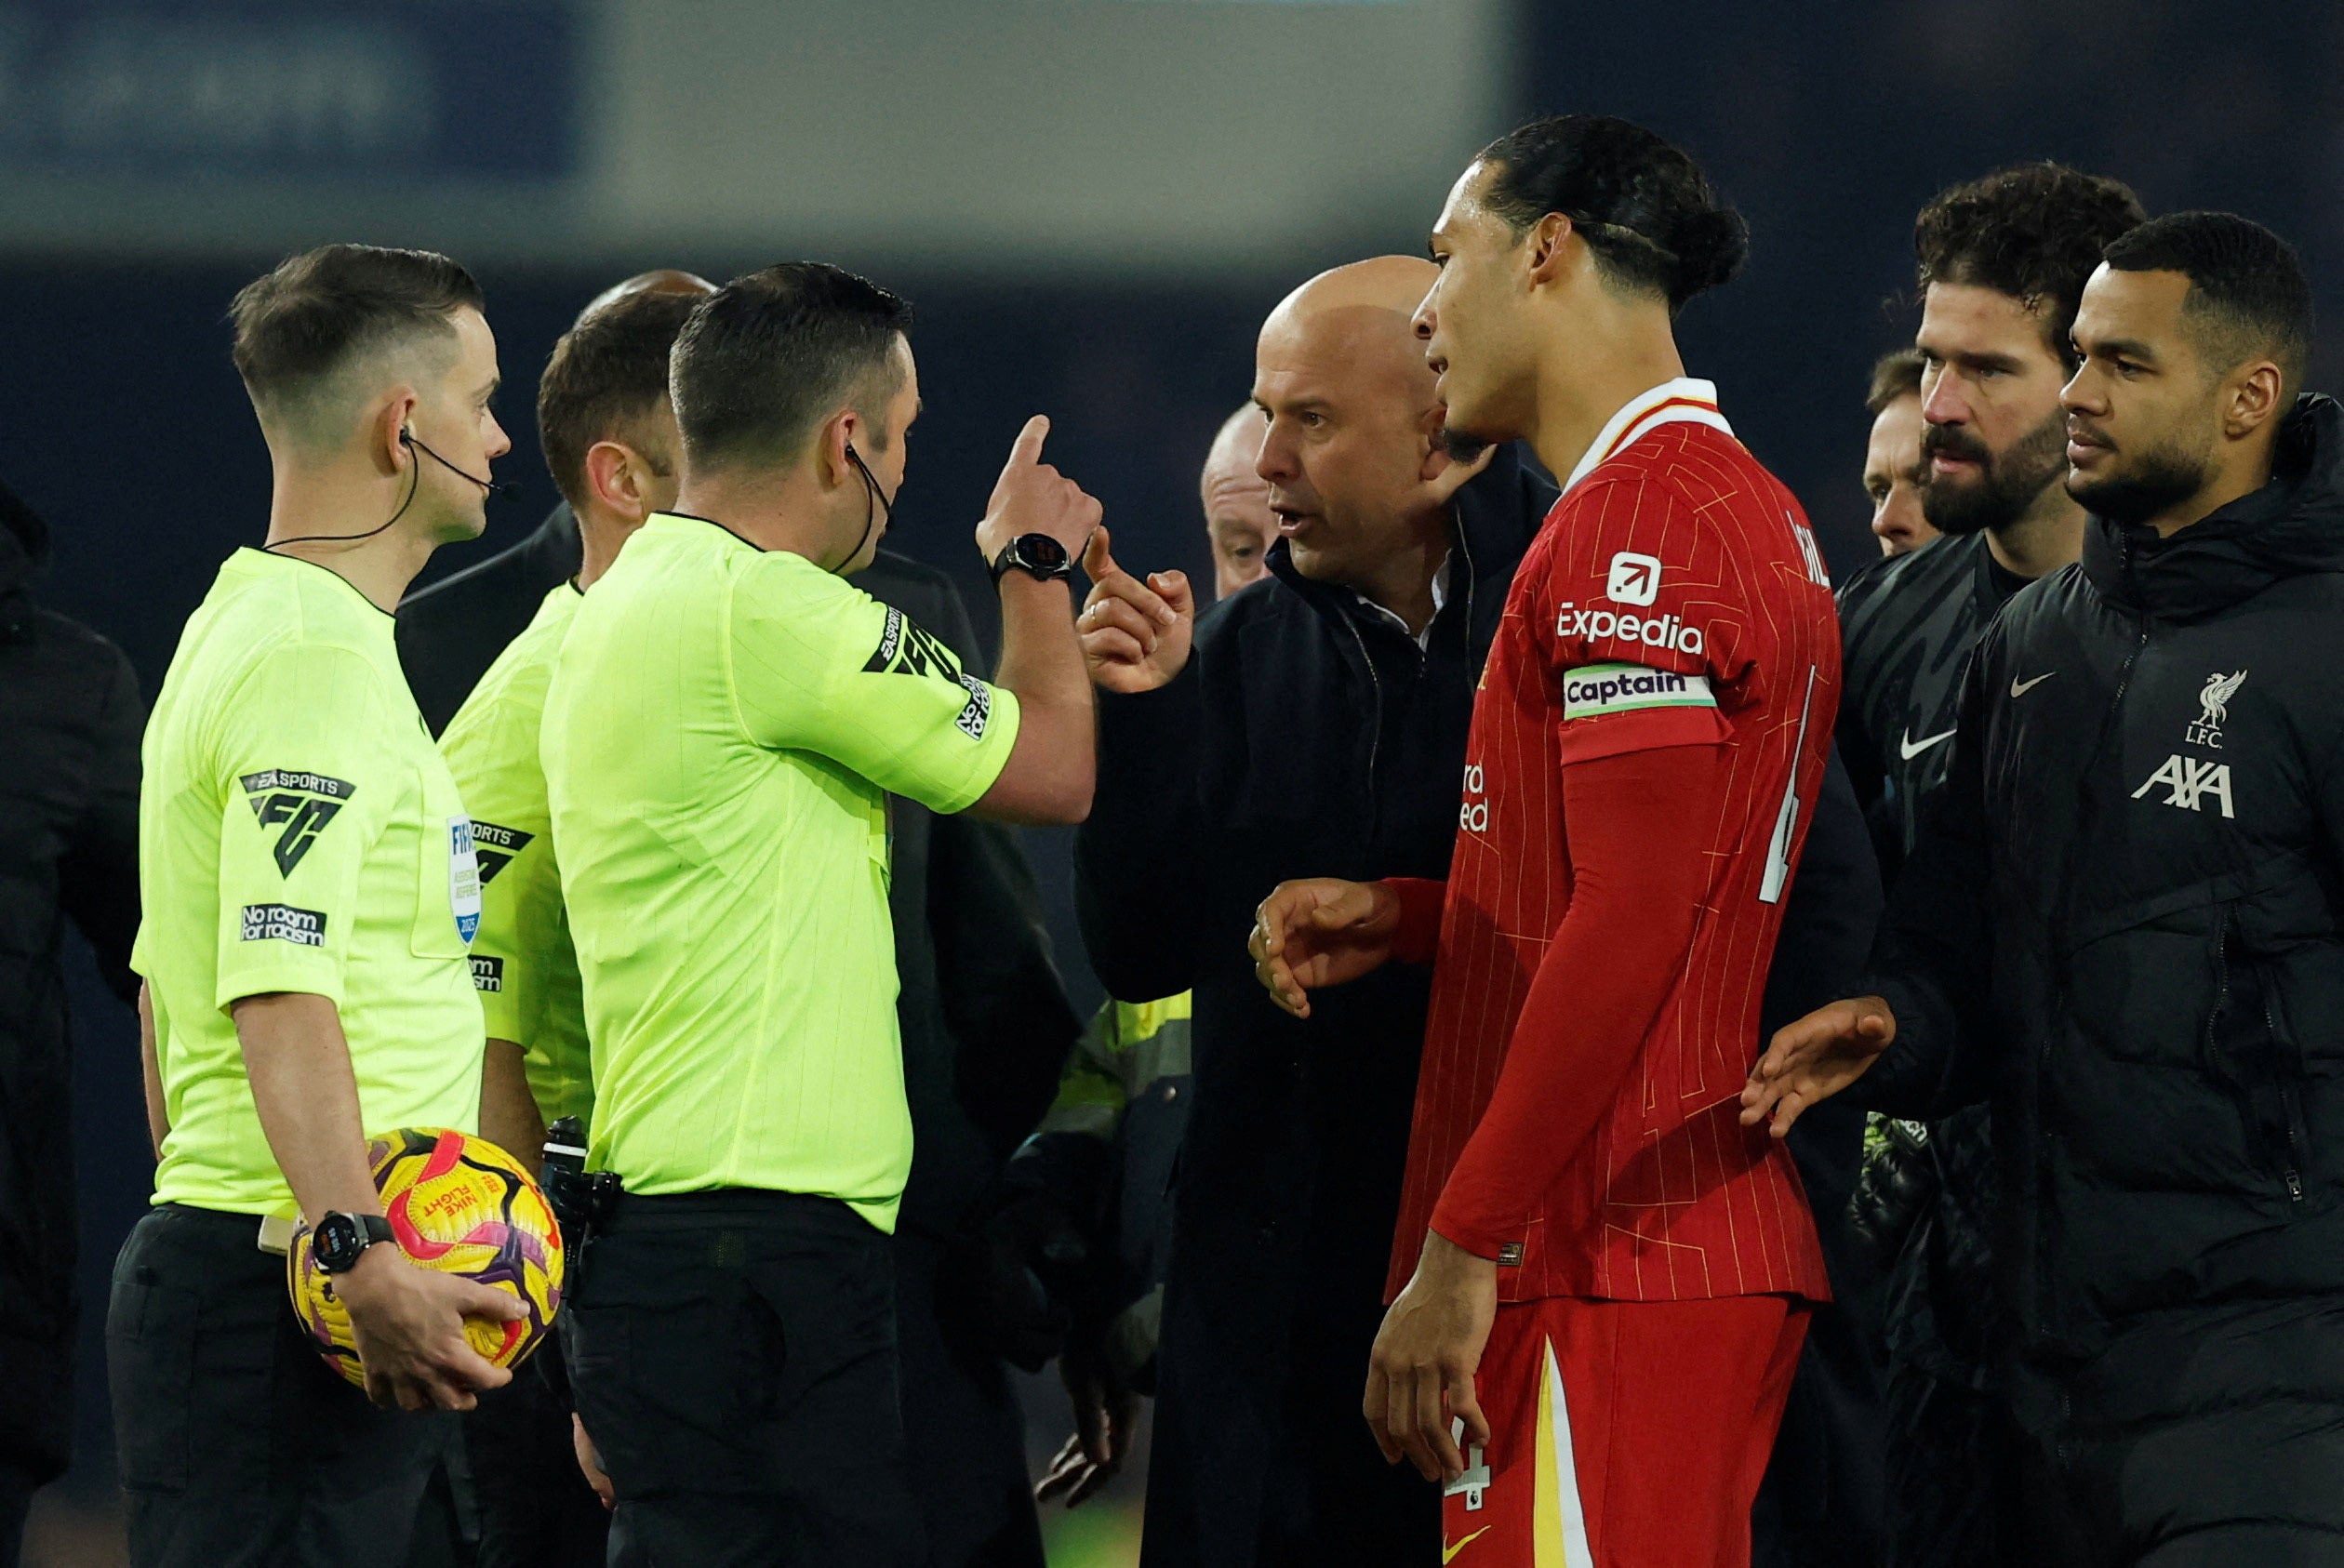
column 409, row 1323
column 1420, row 1373
column 1032, row 498
column 1814, row 1057
column 1320, row 931
column 1135, row 635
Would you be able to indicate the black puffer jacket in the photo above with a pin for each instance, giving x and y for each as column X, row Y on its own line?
column 2124, row 922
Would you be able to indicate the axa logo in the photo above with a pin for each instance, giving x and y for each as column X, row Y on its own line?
column 2190, row 782
column 1474, row 816
column 298, row 801
column 2213, row 710
column 1636, row 579
column 1653, row 632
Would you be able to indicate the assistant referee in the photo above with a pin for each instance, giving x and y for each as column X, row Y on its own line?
column 727, row 718
column 309, row 886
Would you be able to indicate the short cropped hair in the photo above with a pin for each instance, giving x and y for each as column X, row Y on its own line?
column 771, row 354
column 320, row 313
column 1642, row 204
column 2247, row 296
column 608, row 374
column 2035, row 231
column 1896, row 373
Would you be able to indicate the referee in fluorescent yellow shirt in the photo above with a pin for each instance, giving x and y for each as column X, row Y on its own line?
column 726, row 717
column 609, row 435
column 309, row 886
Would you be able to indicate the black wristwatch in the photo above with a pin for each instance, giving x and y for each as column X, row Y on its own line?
column 1038, row 555
column 341, row 1240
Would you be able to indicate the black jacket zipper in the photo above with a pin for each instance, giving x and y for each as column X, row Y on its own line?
column 2111, row 722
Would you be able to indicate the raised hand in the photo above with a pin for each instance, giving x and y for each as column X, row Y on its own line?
column 1136, row 635
column 1032, row 498
column 1814, row 1057
column 1318, row 931
column 409, row 1323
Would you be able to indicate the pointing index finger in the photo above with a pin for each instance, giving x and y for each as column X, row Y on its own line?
column 1026, row 451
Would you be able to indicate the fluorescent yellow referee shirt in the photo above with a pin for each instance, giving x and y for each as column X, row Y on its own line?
column 298, row 831
column 724, row 728
column 522, row 961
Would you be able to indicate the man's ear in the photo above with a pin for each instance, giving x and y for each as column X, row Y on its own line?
column 838, row 431
column 2253, row 396
column 386, row 432
column 615, row 472
column 1549, row 247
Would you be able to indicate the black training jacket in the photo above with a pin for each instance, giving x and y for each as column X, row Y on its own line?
column 1307, row 737
column 1908, row 624
column 2122, row 922
column 70, row 721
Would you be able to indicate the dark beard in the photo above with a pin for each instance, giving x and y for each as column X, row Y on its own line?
column 2158, row 480
column 2007, row 483
column 1461, row 445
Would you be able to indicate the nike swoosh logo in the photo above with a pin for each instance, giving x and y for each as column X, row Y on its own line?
column 2020, row 688
column 1908, row 748
column 1448, row 1552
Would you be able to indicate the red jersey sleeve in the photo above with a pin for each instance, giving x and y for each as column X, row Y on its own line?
column 1642, row 617
column 1639, row 880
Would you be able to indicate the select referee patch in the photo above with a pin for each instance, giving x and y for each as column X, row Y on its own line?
column 283, row 923
column 1622, row 688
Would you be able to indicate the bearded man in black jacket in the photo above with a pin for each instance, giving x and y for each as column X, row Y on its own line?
column 2001, row 265
column 2123, row 925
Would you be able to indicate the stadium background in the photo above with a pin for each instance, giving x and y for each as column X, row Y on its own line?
column 1091, row 203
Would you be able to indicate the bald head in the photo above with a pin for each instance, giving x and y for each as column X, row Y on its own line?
column 1357, row 480
column 1238, row 521
column 1358, row 317
column 659, row 280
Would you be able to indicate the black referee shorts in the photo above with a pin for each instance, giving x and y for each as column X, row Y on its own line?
column 239, row 1447
column 733, row 1355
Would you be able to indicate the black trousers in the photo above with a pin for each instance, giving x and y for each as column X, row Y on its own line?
column 963, row 1431
column 534, row 1507
column 733, row 1354
column 239, row 1447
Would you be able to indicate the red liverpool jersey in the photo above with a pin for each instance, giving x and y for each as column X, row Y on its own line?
column 1673, row 598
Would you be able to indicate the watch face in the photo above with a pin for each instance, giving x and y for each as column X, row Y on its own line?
column 1041, row 550
column 336, row 1242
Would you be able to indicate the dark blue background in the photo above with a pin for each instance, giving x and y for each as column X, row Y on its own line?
column 1829, row 124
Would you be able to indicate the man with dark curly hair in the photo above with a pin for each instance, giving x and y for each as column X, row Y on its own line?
column 2121, row 924
column 2002, row 262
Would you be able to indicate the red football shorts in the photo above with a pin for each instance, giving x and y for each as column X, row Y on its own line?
column 1624, row 1434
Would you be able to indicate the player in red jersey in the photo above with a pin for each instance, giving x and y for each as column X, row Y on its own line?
column 1600, row 1282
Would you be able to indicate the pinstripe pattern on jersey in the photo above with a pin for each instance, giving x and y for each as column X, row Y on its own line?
column 1670, row 1199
